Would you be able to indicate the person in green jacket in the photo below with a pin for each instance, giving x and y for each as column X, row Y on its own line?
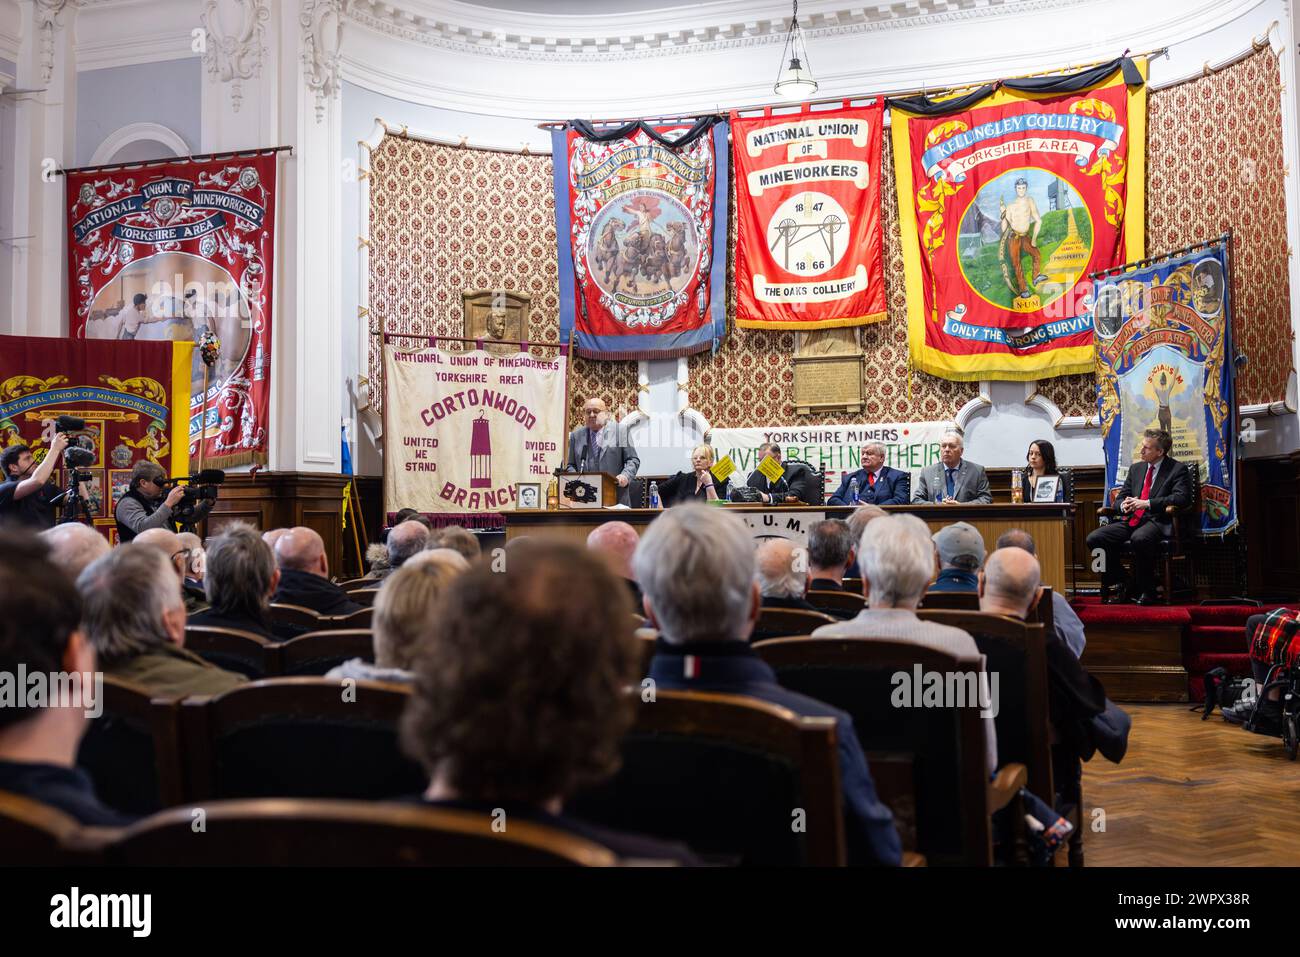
column 134, row 615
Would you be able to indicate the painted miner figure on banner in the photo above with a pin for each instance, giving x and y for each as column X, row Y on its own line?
column 170, row 252
column 641, row 223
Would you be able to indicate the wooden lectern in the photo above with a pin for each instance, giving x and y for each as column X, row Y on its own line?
column 587, row 490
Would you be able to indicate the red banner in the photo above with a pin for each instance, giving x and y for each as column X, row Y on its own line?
column 174, row 251
column 808, row 250
column 133, row 396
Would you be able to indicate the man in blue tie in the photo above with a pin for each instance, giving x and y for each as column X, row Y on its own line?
column 878, row 484
column 953, row 479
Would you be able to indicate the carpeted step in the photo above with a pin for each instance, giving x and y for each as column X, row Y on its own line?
column 1225, row 614
column 1098, row 614
column 1217, row 639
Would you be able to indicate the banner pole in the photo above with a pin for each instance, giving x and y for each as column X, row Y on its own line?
column 203, row 418
column 564, row 436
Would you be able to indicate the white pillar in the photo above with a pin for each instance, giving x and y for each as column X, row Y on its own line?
column 44, row 140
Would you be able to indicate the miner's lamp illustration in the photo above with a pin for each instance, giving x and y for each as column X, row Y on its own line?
column 480, row 454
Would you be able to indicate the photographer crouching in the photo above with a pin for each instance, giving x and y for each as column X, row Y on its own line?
column 26, row 498
column 143, row 505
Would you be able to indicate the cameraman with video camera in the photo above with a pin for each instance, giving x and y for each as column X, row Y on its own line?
column 143, row 506
column 25, row 498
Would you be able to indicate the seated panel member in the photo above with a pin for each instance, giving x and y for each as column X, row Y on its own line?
column 790, row 488
column 697, row 485
column 601, row 445
column 878, row 484
column 953, row 479
column 1151, row 486
column 1041, row 459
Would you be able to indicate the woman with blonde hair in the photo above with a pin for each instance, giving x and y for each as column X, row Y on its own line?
column 699, row 484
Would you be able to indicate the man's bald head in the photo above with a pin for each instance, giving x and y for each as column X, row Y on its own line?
column 194, row 558
column 167, row 542
column 1009, row 583
column 73, row 546
column 615, row 542
column 1016, row 538
column 302, row 549
column 405, row 540
column 781, row 569
column 271, row 536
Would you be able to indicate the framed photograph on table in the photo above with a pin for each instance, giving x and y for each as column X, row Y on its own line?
column 1045, row 488
column 528, row 497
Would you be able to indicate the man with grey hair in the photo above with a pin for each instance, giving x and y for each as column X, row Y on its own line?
column 146, row 503
column 831, row 550
column 239, row 581
column 896, row 557
column 304, row 575
column 961, row 553
column 615, row 543
column 858, row 521
column 953, row 479
column 1068, row 626
column 73, row 546
column 169, row 544
column 877, row 483
column 404, row 540
column 134, row 616
column 781, row 570
column 696, row 567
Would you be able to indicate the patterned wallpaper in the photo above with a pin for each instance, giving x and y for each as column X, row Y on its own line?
column 445, row 219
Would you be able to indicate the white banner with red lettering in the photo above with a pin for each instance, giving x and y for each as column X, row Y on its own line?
column 463, row 429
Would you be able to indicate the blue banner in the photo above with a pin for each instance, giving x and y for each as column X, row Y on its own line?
column 1165, row 361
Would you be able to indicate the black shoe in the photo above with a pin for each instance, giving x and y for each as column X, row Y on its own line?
column 1118, row 595
column 1148, row 598
column 1267, row 719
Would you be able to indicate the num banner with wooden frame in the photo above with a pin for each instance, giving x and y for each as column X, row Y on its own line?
column 169, row 252
column 808, row 238
column 641, row 226
column 1008, row 198
column 1165, row 361
column 463, row 429
column 133, row 396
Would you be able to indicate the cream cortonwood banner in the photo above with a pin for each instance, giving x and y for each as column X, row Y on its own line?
column 463, row 429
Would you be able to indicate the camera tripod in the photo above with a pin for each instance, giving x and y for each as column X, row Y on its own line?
column 75, row 506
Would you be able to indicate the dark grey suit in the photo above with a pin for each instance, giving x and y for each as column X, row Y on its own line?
column 613, row 455
column 970, row 484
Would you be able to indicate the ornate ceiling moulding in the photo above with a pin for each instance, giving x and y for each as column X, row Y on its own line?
column 429, row 24
column 236, row 42
column 322, row 38
column 47, row 21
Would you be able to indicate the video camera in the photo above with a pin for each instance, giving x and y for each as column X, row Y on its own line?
column 79, row 452
column 197, row 497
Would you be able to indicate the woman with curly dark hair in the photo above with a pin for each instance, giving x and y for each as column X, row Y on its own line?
column 521, row 695
column 1041, row 459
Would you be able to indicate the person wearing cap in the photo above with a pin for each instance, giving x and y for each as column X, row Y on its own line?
column 961, row 553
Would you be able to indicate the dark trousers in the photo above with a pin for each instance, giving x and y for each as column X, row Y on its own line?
column 1146, row 546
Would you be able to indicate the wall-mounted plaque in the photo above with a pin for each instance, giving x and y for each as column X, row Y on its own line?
column 497, row 314
column 831, row 383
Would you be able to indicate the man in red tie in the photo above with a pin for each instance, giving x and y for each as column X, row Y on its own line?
column 1152, row 485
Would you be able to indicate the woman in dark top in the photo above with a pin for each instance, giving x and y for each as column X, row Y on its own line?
column 697, row 485
column 1041, row 460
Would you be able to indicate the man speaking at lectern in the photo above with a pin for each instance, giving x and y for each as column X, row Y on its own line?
column 601, row 446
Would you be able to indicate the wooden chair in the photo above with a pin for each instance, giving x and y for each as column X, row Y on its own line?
column 316, row 652
column 361, row 618
column 316, row 833
column 929, row 764
column 364, row 596
column 132, row 750
column 297, row 737
column 357, row 584
column 837, row 601
column 1016, row 652
column 1043, row 612
column 36, row 834
column 853, row 585
column 953, row 600
column 295, row 615
column 230, row 648
column 1176, row 548
column 722, row 773
column 775, row 622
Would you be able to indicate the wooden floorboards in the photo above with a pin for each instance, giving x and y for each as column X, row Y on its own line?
column 1192, row 792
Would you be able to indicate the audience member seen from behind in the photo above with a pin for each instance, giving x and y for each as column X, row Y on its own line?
column 781, row 571
column 73, row 546
column 615, row 543
column 458, row 539
column 404, row 540
column 696, row 567
column 858, row 521
column 40, row 633
column 169, row 544
column 135, row 617
column 831, row 550
column 521, row 697
column 304, row 575
column 1068, row 626
column 961, row 553
column 406, row 616
column 897, row 560
column 239, row 581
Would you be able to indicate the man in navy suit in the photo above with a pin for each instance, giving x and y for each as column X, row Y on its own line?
column 878, row 484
